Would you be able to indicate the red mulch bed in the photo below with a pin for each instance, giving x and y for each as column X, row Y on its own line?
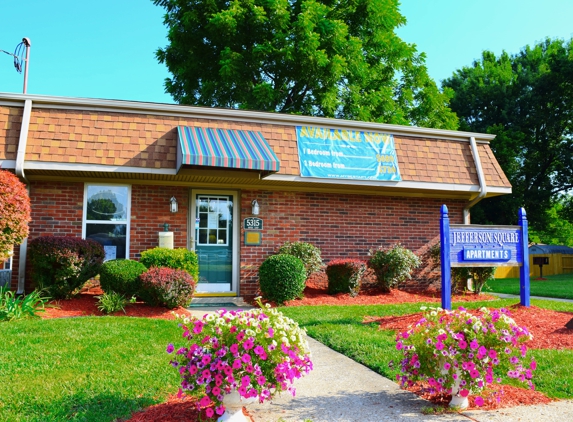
column 549, row 332
column 546, row 326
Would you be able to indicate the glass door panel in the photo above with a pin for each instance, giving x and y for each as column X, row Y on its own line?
column 213, row 241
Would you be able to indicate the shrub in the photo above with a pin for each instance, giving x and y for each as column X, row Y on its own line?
column 307, row 252
column 14, row 212
column 282, row 277
column 179, row 259
column 479, row 275
column 167, row 287
column 62, row 265
column 113, row 302
column 460, row 275
column 17, row 307
column 392, row 265
column 121, row 276
column 344, row 276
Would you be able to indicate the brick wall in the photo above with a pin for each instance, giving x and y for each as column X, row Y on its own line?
column 340, row 225
column 150, row 211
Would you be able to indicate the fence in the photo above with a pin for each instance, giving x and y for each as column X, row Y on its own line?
column 558, row 264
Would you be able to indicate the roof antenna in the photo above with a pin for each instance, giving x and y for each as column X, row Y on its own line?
column 19, row 59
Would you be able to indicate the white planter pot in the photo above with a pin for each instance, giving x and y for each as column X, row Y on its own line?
column 234, row 403
column 457, row 401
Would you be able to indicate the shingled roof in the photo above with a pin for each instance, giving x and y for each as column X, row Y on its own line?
column 117, row 139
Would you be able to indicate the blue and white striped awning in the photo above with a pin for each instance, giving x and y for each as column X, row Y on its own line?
column 225, row 148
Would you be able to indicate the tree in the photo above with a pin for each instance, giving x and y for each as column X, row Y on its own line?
column 527, row 101
column 311, row 57
column 14, row 212
column 559, row 227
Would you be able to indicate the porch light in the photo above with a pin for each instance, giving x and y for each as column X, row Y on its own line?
column 255, row 205
column 173, row 204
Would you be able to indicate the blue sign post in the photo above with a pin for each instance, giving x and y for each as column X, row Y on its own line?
column 464, row 245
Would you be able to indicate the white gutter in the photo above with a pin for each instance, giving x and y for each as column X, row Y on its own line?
column 20, row 156
column 481, row 178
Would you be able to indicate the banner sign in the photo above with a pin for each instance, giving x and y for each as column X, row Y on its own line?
column 488, row 246
column 346, row 154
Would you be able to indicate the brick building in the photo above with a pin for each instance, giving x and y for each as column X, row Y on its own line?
column 115, row 170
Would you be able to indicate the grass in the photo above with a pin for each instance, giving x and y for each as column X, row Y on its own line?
column 342, row 329
column 84, row 369
column 557, row 286
column 105, row 368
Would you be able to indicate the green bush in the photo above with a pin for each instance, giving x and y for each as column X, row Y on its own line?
column 167, row 287
column 113, row 302
column 392, row 265
column 344, row 276
column 121, row 276
column 62, row 265
column 14, row 307
column 479, row 276
column 460, row 275
column 307, row 252
column 281, row 278
column 179, row 259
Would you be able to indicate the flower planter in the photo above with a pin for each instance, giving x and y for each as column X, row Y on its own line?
column 234, row 403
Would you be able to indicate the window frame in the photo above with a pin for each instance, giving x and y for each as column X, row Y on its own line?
column 85, row 221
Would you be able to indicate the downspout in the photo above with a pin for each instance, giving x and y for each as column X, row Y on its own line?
column 481, row 178
column 20, row 156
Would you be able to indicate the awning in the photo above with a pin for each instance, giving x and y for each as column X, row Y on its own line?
column 225, row 148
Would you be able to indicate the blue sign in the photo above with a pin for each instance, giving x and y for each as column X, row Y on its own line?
column 465, row 245
column 346, row 154
column 495, row 246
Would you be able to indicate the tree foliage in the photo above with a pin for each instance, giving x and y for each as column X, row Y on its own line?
column 525, row 99
column 14, row 212
column 311, row 57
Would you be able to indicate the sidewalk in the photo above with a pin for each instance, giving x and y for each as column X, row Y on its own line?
column 341, row 390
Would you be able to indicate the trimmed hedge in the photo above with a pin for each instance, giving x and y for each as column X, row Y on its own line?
column 344, row 276
column 392, row 265
column 282, row 278
column 62, row 265
column 167, row 287
column 307, row 252
column 179, row 259
column 121, row 276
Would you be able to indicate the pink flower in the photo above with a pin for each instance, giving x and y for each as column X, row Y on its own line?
column 479, row 401
column 220, row 410
column 533, row 365
column 234, row 348
column 447, row 366
column 246, row 358
column 205, row 401
column 209, row 412
column 474, row 344
column 464, row 392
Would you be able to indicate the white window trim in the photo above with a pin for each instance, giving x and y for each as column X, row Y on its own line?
column 128, row 212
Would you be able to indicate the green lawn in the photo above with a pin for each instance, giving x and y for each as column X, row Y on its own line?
column 84, row 369
column 341, row 329
column 106, row 368
column 559, row 286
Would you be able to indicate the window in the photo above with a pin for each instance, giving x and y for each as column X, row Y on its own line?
column 106, row 218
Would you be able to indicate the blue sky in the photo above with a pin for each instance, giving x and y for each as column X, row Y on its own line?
column 105, row 48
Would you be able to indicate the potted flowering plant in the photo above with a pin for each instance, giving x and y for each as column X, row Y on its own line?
column 255, row 353
column 459, row 353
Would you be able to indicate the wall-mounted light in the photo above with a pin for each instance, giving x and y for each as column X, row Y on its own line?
column 255, row 205
column 173, row 204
